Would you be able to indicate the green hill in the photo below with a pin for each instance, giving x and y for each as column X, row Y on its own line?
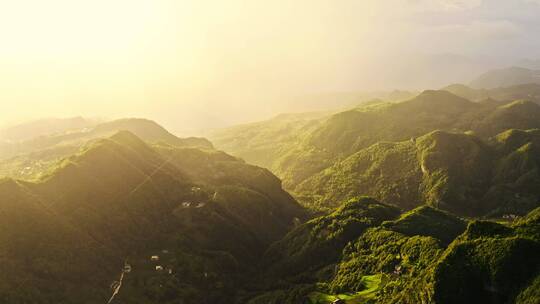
column 28, row 159
column 446, row 170
column 348, row 132
column 454, row 172
column 319, row 242
column 45, row 257
column 119, row 200
column 428, row 256
column 310, row 148
column 262, row 142
column 519, row 114
column 428, row 221
column 494, row 266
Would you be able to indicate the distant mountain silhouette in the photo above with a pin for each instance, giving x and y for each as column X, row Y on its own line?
column 529, row 91
column 29, row 158
column 42, row 127
column 506, row 77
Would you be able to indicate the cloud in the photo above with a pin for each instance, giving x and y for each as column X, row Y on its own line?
column 443, row 5
column 478, row 29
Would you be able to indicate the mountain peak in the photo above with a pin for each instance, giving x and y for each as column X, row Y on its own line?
column 438, row 100
column 150, row 131
column 146, row 129
column 438, row 95
column 127, row 137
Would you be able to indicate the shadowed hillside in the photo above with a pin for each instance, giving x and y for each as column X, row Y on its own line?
column 424, row 256
column 129, row 200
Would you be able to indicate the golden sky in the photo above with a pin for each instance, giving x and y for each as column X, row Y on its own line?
column 224, row 61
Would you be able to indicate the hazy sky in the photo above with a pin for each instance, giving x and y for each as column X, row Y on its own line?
column 196, row 63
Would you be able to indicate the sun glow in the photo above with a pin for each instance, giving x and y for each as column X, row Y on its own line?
column 75, row 28
column 205, row 61
column 68, row 56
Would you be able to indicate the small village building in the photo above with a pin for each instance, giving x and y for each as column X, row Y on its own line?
column 159, row 268
column 154, row 258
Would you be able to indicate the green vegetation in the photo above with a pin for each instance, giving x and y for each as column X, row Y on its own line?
column 492, row 265
column 454, row 172
column 120, row 199
column 427, row 221
column 325, row 161
column 370, row 283
column 451, row 214
column 262, row 142
column 430, row 256
column 317, row 243
column 30, row 157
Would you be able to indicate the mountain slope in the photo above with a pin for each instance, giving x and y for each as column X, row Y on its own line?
column 28, row 159
column 519, row 114
column 121, row 200
column 42, row 249
column 428, row 221
column 319, row 242
column 308, row 151
column 347, row 132
column 454, row 172
column 438, row 168
column 262, row 142
column 427, row 256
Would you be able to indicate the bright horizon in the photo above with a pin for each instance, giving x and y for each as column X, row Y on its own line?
column 197, row 64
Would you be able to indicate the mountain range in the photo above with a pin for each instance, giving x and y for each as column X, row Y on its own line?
column 432, row 198
column 325, row 160
column 28, row 158
column 506, row 77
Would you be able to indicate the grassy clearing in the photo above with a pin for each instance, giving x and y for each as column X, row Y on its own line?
column 371, row 282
